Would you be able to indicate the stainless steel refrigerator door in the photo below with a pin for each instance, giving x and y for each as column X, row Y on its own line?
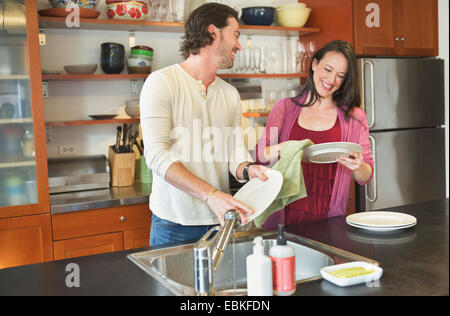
column 409, row 168
column 402, row 93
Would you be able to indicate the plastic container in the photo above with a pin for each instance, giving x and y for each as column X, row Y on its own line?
column 283, row 266
column 259, row 271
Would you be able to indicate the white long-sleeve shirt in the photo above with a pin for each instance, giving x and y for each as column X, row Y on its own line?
column 181, row 122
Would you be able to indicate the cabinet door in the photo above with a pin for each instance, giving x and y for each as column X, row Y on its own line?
column 25, row 240
column 86, row 246
column 419, row 28
column 136, row 238
column 23, row 162
column 375, row 27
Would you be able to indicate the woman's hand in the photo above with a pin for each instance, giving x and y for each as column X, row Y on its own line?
column 272, row 153
column 221, row 202
column 257, row 171
column 355, row 162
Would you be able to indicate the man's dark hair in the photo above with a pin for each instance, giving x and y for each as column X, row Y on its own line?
column 196, row 33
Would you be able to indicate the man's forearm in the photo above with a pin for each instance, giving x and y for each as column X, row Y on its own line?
column 181, row 178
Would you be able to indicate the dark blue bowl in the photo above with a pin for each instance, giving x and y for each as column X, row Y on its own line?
column 258, row 15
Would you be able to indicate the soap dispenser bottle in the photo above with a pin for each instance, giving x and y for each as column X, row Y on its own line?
column 259, row 271
column 283, row 266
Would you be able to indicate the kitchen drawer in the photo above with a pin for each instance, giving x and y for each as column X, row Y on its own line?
column 100, row 221
column 86, row 246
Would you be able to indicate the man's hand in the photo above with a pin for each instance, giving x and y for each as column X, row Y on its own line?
column 220, row 203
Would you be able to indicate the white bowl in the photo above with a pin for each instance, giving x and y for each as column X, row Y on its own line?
column 132, row 103
column 133, row 111
column 138, row 62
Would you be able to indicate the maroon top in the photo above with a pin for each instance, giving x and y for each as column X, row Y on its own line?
column 319, row 178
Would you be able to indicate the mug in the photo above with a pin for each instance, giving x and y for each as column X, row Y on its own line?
column 112, row 58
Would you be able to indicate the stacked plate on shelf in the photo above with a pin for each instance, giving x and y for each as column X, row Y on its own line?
column 381, row 221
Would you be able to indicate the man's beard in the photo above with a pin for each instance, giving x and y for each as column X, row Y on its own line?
column 225, row 61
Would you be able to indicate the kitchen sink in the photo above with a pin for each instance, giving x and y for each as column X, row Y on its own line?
column 174, row 266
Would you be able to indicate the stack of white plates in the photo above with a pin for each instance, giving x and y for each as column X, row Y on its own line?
column 381, row 221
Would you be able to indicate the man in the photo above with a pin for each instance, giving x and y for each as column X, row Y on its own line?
column 181, row 106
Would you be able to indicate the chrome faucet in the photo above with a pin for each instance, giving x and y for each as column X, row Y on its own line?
column 209, row 253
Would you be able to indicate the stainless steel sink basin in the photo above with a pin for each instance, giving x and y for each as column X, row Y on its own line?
column 174, row 266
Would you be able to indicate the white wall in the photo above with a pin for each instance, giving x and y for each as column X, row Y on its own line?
column 444, row 54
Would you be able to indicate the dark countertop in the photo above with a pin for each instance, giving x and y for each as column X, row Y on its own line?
column 95, row 199
column 415, row 262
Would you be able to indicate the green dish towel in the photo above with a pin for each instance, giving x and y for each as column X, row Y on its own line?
column 293, row 182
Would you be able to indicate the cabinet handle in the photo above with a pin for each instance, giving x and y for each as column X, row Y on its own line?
column 402, row 38
column 123, row 218
column 397, row 38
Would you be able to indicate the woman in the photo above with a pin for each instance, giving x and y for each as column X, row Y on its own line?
column 326, row 110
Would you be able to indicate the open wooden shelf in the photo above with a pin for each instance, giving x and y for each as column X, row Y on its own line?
column 93, row 122
column 255, row 114
column 172, row 27
column 48, row 77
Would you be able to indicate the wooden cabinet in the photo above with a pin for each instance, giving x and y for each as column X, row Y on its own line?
column 405, row 28
column 378, row 28
column 25, row 240
column 98, row 231
column 23, row 161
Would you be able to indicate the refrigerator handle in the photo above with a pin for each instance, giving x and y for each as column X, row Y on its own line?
column 372, row 89
column 374, row 179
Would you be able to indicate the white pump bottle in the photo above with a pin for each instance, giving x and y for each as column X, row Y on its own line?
column 259, row 271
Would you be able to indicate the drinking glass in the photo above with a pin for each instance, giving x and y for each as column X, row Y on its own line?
column 257, row 60
column 242, row 61
column 177, row 10
column 301, row 50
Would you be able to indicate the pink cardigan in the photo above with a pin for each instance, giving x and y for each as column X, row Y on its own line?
column 281, row 119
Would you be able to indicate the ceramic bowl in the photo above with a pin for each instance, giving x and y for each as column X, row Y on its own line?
column 80, row 69
column 258, row 15
column 292, row 17
column 88, row 4
column 132, row 108
column 138, row 62
column 127, row 10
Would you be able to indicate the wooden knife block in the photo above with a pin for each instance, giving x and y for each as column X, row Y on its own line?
column 122, row 168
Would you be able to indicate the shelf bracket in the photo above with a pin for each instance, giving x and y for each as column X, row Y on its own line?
column 42, row 37
column 131, row 38
column 45, row 89
column 134, row 88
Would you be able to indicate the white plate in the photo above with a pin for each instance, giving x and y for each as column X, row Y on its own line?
column 381, row 219
column 378, row 272
column 329, row 152
column 380, row 229
column 260, row 194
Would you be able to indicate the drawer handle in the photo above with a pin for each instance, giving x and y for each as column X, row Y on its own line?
column 123, row 218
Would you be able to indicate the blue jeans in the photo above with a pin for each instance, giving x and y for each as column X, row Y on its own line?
column 163, row 232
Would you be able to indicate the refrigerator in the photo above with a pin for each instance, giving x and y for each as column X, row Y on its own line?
column 404, row 102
